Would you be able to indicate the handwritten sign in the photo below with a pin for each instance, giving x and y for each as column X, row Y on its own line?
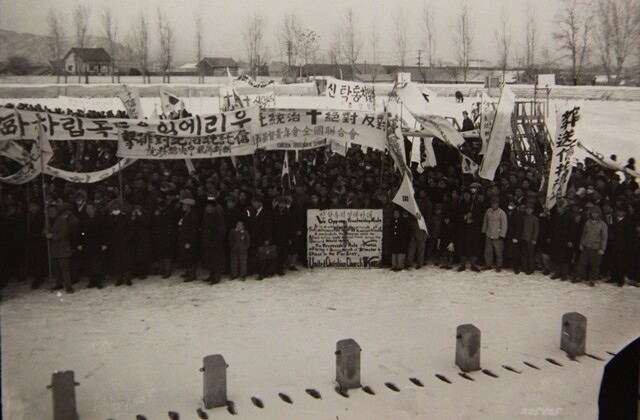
column 564, row 145
column 344, row 238
column 350, row 95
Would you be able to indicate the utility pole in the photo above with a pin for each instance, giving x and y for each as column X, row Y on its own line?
column 420, row 66
column 289, row 52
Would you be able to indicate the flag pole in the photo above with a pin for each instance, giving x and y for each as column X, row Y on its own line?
column 44, row 200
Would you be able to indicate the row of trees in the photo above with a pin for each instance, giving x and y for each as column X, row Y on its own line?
column 136, row 40
column 595, row 32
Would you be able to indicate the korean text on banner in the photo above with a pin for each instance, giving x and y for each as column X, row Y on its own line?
column 564, row 145
column 350, row 95
column 131, row 100
column 225, row 134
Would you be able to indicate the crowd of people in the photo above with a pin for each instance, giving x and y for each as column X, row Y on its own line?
column 224, row 218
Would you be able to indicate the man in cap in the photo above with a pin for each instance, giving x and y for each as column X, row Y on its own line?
column 560, row 237
column 60, row 243
column 621, row 239
column 188, row 237
column 213, row 234
column 494, row 226
column 120, row 236
column 593, row 244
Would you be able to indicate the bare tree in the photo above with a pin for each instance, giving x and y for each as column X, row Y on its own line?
column 531, row 38
column 429, row 31
column 503, row 43
column 573, row 32
column 55, row 35
column 167, row 45
column 400, row 25
column 139, row 43
column 110, row 32
column 288, row 36
column 335, row 51
column 199, row 35
column 375, row 47
column 81, row 24
column 463, row 38
column 307, row 47
column 351, row 39
column 548, row 60
column 617, row 30
column 253, row 38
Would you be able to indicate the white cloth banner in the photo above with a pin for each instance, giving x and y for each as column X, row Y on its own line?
column 88, row 177
column 89, row 104
column 130, row 98
column 564, row 145
column 170, row 102
column 487, row 114
column 500, row 131
column 440, row 127
column 300, row 129
column 350, row 95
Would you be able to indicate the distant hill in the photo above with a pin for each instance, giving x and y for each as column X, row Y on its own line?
column 36, row 49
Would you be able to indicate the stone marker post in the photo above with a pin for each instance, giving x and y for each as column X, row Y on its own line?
column 348, row 364
column 573, row 339
column 63, row 390
column 215, row 381
column 468, row 348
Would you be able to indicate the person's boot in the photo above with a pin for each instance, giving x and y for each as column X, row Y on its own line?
column 462, row 268
column 556, row 276
column 474, row 268
column 70, row 290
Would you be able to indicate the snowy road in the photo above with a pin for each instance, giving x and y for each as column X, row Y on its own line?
column 138, row 350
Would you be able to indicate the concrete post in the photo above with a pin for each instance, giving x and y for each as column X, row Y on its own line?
column 215, row 381
column 574, row 334
column 468, row 348
column 348, row 364
column 63, row 390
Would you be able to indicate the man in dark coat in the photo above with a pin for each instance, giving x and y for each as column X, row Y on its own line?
column 514, row 234
column 260, row 229
column 93, row 243
column 119, row 244
column 164, row 223
column 213, row 235
column 283, row 233
column 619, row 249
column 187, row 238
column 468, row 224
column 60, row 237
column 141, row 221
column 400, row 235
column 36, row 245
column 560, row 237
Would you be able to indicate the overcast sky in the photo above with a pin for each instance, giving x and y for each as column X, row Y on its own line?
column 224, row 21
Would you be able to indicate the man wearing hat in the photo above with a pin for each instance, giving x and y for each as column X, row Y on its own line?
column 593, row 244
column 60, row 244
column 260, row 229
column 120, row 247
column 621, row 233
column 188, row 237
column 213, row 234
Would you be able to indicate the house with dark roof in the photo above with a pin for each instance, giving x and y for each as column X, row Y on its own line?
column 217, row 66
column 94, row 61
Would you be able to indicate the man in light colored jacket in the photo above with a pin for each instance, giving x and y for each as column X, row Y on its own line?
column 593, row 244
column 494, row 226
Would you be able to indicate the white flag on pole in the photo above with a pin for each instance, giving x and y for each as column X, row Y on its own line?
column 405, row 198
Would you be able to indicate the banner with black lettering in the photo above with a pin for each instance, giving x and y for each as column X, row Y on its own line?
column 341, row 94
column 344, row 238
column 300, row 129
column 130, row 98
column 218, row 135
column 563, row 146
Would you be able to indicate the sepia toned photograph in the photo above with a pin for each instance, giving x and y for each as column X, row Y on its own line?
column 319, row 210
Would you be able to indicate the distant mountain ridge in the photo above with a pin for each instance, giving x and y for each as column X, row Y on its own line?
column 36, row 48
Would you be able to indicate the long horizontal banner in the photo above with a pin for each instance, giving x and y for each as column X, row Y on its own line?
column 233, row 133
column 289, row 129
column 23, row 125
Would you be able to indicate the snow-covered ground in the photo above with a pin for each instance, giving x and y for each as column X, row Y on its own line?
column 138, row 350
